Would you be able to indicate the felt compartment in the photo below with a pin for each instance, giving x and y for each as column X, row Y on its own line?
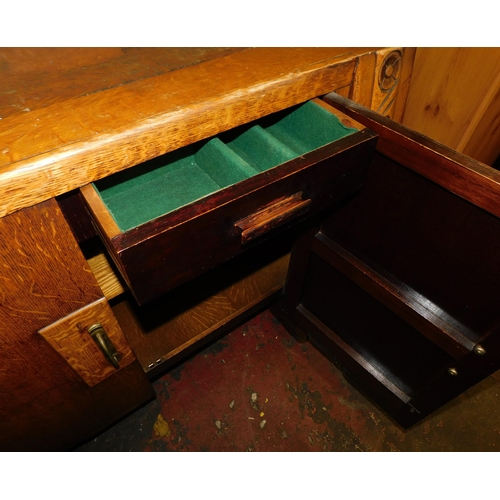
column 305, row 128
column 260, row 149
column 176, row 179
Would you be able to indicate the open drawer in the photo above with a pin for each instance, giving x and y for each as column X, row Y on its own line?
column 170, row 219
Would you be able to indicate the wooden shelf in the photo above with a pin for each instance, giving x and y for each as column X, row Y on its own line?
column 422, row 314
column 359, row 328
column 398, row 285
column 354, row 355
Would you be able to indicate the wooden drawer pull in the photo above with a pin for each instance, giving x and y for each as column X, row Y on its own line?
column 271, row 216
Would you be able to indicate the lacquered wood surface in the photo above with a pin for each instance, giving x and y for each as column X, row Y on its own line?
column 35, row 78
column 44, row 405
column 78, row 136
column 460, row 174
column 272, row 216
column 70, row 338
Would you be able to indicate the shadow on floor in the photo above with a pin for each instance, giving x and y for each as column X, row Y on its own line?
column 257, row 389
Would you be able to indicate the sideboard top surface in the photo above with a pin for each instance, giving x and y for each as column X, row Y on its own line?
column 69, row 116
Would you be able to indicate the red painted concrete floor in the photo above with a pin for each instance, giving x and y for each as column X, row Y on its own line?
column 257, row 389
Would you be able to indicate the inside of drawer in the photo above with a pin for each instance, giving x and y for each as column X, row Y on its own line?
column 164, row 184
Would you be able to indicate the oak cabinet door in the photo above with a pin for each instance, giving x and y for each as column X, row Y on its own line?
column 57, row 387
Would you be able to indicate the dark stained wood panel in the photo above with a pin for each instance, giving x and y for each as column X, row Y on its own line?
column 398, row 285
column 428, row 238
column 430, row 320
column 463, row 176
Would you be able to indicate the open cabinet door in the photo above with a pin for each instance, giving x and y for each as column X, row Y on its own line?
column 399, row 284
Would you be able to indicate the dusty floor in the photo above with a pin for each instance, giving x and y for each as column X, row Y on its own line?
column 258, row 389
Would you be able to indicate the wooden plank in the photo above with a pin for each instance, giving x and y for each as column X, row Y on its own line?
column 100, row 212
column 111, row 284
column 463, row 176
column 364, row 79
column 71, row 143
column 482, row 141
column 354, row 357
column 404, row 84
column 419, row 312
column 34, row 78
column 455, row 99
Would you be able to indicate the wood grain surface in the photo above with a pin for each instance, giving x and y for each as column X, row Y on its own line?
column 109, row 280
column 165, row 331
column 36, row 77
column 460, row 174
column 44, row 277
column 75, row 139
column 70, row 338
column 455, row 99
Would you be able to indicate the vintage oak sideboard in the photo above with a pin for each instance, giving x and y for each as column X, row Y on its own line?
column 150, row 198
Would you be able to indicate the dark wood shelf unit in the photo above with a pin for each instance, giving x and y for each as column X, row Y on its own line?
column 422, row 314
column 440, row 246
column 388, row 345
column 398, row 283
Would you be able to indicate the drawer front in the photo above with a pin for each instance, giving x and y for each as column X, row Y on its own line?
column 168, row 250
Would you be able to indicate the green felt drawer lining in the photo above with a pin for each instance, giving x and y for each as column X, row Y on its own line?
column 160, row 186
column 269, row 153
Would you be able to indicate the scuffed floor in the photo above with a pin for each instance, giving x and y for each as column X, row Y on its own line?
column 258, row 389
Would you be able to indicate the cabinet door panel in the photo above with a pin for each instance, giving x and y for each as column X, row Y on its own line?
column 44, row 404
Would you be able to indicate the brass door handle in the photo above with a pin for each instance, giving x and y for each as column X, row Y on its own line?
column 104, row 343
